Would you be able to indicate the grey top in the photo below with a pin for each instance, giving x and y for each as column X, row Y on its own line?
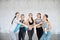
column 38, row 21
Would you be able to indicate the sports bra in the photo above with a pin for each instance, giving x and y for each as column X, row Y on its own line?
column 44, row 25
column 30, row 23
column 21, row 22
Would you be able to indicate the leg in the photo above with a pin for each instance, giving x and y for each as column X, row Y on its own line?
column 19, row 36
column 39, row 32
column 13, row 36
column 30, row 34
column 23, row 35
column 43, row 37
column 48, row 36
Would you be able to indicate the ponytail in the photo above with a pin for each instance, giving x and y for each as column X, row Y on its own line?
column 39, row 14
column 13, row 19
column 46, row 19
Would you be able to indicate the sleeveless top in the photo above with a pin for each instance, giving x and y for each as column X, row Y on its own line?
column 22, row 28
column 14, row 25
column 21, row 22
column 44, row 25
column 38, row 21
column 30, row 23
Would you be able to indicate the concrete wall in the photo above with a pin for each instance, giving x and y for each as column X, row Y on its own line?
column 9, row 7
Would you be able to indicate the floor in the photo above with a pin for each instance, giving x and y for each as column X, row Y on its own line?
column 5, row 36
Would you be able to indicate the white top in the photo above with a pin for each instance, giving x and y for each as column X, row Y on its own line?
column 12, row 27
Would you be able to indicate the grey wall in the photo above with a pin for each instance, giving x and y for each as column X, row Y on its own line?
column 9, row 7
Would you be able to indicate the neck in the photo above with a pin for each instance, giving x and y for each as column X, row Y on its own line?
column 45, row 21
column 22, row 19
column 38, row 18
column 30, row 18
column 16, row 17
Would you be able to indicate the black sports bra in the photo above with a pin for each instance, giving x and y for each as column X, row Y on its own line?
column 30, row 23
column 21, row 22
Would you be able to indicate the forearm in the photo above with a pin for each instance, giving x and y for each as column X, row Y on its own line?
column 39, row 23
column 17, row 27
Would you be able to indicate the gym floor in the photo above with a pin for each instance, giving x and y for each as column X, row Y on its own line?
column 5, row 36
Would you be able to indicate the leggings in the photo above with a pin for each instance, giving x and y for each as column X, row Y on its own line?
column 39, row 32
column 12, row 36
column 46, row 36
column 22, row 33
column 30, row 34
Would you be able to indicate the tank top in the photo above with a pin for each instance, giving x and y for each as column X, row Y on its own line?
column 21, row 22
column 14, row 25
column 30, row 23
column 44, row 25
column 38, row 21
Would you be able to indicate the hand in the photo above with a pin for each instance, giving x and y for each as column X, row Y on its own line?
column 46, row 30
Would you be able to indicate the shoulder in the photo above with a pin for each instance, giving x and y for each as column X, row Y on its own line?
column 27, row 19
column 42, row 20
column 49, row 23
column 36, row 19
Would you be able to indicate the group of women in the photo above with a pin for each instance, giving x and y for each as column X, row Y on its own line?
column 43, row 26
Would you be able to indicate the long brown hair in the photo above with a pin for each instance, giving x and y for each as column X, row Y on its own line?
column 31, row 17
column 39, row 14
column 46, row 17
column 14, row 17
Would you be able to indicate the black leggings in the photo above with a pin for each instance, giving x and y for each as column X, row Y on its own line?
column 21, row 34
column 30, row 34
column 39, row 32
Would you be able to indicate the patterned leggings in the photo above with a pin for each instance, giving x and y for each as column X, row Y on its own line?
column 46, row 36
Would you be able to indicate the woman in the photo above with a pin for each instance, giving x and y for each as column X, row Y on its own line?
column 14, row 23
column 39, row 29
column 46, row 28
column 22, row 30
column 30, row 26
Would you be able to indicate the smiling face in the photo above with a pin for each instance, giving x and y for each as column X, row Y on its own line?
column 38, row 15
column 17, row 14
column 30, row 15
column 22, row 16
column 45, row 17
